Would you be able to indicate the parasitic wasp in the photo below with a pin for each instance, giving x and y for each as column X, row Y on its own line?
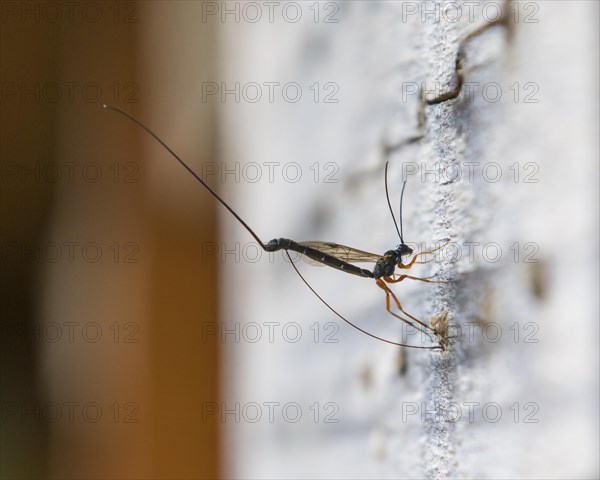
column 339, row 256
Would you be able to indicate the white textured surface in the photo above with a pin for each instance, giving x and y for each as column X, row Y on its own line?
column 369, row 53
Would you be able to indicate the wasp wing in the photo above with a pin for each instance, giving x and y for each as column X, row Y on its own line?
column 341, row 252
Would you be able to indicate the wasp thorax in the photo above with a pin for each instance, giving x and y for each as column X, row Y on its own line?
column 386, row 265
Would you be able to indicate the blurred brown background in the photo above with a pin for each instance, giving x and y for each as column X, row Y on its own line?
column 103, row 286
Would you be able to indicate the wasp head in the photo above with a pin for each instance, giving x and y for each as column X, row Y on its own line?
column 403, row 249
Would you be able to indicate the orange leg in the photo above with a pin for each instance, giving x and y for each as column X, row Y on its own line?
column 413, row 261
column 389, row 294
column 402, row 277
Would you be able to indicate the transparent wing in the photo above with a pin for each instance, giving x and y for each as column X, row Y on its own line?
column 341, row 252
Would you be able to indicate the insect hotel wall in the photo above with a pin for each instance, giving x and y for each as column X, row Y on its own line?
column 492, row 174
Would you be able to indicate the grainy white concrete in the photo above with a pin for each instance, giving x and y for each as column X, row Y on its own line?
column 545, row 392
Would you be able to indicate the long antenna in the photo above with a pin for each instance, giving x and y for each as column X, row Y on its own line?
column 387, row 194
column 401, row 198
column 348, row 321
column 185, row 165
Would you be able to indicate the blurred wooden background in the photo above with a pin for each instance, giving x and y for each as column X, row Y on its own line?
column 149, row 373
